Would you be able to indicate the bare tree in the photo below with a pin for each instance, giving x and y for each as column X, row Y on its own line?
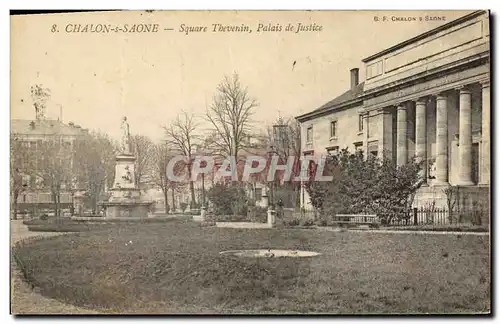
column 284, row 137
column 93, row 165
column 159, row 170
column 142, row 147
column 161, row 156
column 19, row 156
column 51, row 162
column 229, row 115
column 182, row 137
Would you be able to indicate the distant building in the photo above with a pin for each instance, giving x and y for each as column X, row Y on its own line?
column 31, row 133
column 428, row 97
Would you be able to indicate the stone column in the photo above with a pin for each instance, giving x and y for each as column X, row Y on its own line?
column 402, row 131
column 386, row 137
column 485, row 134
column 441, row 140
column 465, row 139
column 421, row 135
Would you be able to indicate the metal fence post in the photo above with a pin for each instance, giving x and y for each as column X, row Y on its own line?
column 415, row 218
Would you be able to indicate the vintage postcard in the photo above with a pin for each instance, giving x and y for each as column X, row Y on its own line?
column 250, row 162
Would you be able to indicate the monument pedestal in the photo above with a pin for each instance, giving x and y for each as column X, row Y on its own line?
column 127, row 210
column 125, row 200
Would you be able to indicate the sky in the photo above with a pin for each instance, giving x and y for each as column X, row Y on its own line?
column 97, row 78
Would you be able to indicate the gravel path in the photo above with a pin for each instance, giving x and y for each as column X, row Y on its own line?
column 24, row 299
column 241, row 225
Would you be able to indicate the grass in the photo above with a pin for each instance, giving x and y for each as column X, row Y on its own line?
column 154, row 268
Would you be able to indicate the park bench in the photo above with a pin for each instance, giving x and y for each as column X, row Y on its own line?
column 356, row 219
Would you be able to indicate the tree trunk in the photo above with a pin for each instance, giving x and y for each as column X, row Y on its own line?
column 94, row 204
column 203, row 198
column 14, row 203
column 296, row 189
column 96, row 200
column 56, row 203
column 91, row 194
column 193, row 196
column 173, row 200
column 54, row 200
column 191, row 189
column 165, row 195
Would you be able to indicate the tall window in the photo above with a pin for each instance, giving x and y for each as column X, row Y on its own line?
column 360, row 123
column 309, row 134
column 333, row 128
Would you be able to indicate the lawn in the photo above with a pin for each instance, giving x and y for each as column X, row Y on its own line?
column 176, row 267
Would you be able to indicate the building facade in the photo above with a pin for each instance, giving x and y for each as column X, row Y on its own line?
column 427, row 97
column 30, row 134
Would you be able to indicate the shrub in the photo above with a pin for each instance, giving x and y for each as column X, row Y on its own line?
column 257, row 214
column 306, row 222
column 228, row 199
column 321, row 222
column 210, row 219
column 61, row 228
column 183, row 206
column 291, row 222
column 239, row 207
column 362, row 185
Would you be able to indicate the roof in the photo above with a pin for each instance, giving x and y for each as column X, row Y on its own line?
column 43, row 127
column 347, row 96
column 426, row 34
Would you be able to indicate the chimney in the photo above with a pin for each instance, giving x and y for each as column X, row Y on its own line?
column 354, row 78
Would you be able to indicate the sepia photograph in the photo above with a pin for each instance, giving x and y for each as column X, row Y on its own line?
column 250, row 162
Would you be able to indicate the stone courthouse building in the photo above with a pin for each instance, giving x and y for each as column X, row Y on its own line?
column 427, row 97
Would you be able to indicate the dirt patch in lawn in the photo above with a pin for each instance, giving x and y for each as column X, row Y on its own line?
column 139, row 268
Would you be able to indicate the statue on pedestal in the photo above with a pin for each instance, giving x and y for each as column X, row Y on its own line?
column 125, row 140
column 125, row 196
